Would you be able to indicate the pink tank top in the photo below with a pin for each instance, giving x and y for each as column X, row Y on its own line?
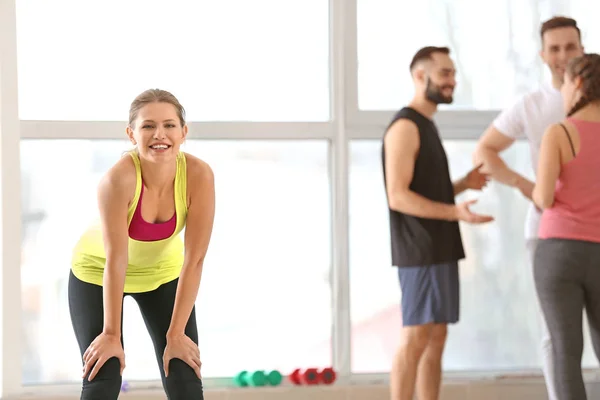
column 144, row 231
column 575, row 213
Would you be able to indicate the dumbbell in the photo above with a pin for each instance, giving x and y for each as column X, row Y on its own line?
column 309, row 376
column 245, row 378
column 274, row 378
column 328, row 376
column 312, row 376
column 258, row 378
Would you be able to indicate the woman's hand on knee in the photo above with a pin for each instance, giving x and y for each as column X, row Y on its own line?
column 102, row 349
column 182, row 347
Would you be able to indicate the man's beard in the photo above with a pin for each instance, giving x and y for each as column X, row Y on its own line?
column 434, row 94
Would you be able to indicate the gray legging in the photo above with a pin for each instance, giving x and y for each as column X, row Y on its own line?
column 546, row 346
column 567, row 280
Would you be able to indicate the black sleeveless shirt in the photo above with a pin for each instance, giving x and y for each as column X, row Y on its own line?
column 419, row 241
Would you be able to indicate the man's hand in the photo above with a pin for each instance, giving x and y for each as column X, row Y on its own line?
column 464, row 214
column 525, row 186
column 476, row 179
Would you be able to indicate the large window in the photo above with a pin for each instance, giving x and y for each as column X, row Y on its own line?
column 266, row 299
column 260, row 60
column 496, row 53
column 265, row 293
column 499, row 327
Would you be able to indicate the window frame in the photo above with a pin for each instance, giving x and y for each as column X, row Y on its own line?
column 346, row 123
column 10, row 211
column 197, row 130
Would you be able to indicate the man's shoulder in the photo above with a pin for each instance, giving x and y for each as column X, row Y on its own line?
column 532, row 105
column 405, row 112
column 539, row 96
column 405, row 118
column 534, row 96
column 414, row 117
column 402, row 126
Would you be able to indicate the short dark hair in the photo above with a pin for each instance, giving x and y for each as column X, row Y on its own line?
column 426, row 53
column 559, row 22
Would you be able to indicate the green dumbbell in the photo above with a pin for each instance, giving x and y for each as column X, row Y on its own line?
column 245, row 378
column 238, row 380
column 274, row 378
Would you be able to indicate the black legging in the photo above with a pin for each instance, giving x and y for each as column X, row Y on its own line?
column 85, row 305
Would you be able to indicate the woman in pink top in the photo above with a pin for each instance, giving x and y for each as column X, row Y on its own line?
column 567, row 258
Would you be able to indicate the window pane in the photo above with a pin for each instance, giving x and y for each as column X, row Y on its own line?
column 270, row 247
column 263, row 60
column 499, row 326
column 497, row 53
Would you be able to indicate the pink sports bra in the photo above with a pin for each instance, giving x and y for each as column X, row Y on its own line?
column 144, row 231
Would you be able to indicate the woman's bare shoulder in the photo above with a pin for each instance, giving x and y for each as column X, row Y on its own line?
column 120, row 178
column 198, row 170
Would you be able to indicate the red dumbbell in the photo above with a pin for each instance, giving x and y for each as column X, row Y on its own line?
column 295, row 377
column 308, row 376
column 328, row 376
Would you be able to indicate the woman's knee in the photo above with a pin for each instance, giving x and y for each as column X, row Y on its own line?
column 182, row 382
column 106, row 385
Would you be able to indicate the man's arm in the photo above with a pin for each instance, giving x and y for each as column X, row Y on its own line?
column 459, row 186
column 474, row 179
column 401, row 149
column 488, row 150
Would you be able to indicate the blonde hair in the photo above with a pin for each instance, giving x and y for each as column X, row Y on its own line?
column 154, row 96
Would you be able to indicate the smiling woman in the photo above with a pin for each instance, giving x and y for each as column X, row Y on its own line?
column 257, row 182
column 145, row 201
column 151, row 112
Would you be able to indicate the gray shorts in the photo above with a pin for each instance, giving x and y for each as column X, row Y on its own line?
column 430, row 294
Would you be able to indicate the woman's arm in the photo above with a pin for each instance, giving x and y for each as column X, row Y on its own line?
column 548, row 169
column 113, row 202
column 114, row 194
column 198, row 232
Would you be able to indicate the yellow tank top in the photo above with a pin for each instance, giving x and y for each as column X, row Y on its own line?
column 150, row 264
